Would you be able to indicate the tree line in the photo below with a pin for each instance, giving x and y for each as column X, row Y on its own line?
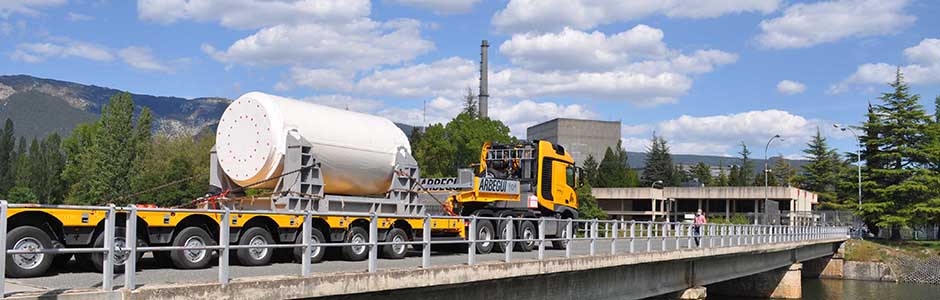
column 115, row 159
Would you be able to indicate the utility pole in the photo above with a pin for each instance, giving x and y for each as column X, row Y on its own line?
column 858, row 153
column 484, row 95
column 766, row 175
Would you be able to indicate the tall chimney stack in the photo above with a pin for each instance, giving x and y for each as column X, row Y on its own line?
column 484, row 95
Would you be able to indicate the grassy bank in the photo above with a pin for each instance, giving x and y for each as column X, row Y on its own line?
column 881, row 250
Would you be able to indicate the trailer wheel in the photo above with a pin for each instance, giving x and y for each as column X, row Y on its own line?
column 528, row 233
column 316, row 252
column 29, row 264
column 396, row 235
column 255, row 236
column 192, row 259
column 484, row 236
column 501, row 234
column 120, row 255
column 356, row 235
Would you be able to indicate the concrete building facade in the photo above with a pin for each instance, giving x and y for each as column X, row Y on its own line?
column 783, row 205
column 580, row 137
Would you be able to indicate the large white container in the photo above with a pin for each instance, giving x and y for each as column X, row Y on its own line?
column 356, row 151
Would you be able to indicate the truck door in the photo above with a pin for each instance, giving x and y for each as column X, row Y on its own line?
column 563, row 184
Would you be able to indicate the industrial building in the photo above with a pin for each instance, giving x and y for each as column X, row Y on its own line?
column 786, row 205
column 580, row 137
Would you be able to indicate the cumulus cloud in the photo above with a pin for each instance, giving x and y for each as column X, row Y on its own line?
column 721, row 134
column 789, row 87
column 441, row 6
column 26, row 7
column 923, row 68
column 38, row 52
column 553, row 15
column 575, row 49
column 142, row 58
column 253, row 14
column 347, row 102
column 447, row 77
column 804, row 25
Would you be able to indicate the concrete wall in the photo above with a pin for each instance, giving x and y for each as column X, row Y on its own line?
column 580, row 137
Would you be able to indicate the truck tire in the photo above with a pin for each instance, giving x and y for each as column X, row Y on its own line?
column 255, row 236
column 316, row 253
column 192, row 259
column 484, row 236
column 32, row 264
column 120, row 257
column 501, row 232
column 356, row 253
column 561, row 245
column 528, row 232
column 60, row 260
column 396, row 235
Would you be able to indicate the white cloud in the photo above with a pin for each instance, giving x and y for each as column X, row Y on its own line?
column 347, row 102
column 442, row 6
column 77, row 17
column 38, row 52
column 923, row 68
column 523, row 114
column 319, row 79
column 722, row 134
column 357, row 45
column 142, row 58
column 447, row 77
column 574, row 49
column 803, row 25
column 253, row 14
column 26, row 7
column 553, row 15
column 789, row 87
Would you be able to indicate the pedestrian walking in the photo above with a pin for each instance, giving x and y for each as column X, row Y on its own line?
column 697, row 226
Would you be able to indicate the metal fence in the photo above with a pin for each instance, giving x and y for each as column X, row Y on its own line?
column 634, row 236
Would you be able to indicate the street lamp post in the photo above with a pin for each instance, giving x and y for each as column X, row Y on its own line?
column 653, row 186
column 858, row 162
column 766, row 175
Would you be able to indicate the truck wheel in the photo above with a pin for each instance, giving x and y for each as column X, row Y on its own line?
column 396, row 235
column 120, row 257
column 561, row 245
column 61, row 260
column 30, row 264
column 356, row 235
column 526, row 232
column 501, row 232
column 484, row 236
column 317, row 252
column 192, row 259
column 255, row 236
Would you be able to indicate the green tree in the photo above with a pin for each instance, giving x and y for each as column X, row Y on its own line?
column 782, row 173
column 614, row 171
column 435, row 152
column 468, row 135
column 22, row 194
column 702, row 173
column 659, row 166
column 7, row 154
column 470, row 105
column 23, row 164
column 51, row 188
column 734, row 176
column 821, row 173
column 722, row 179
column 587, row 204
column 746, row 170
column 896, row 139
column 590, row 169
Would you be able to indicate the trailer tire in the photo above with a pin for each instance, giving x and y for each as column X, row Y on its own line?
column 396, row 235
column 356, row 253
column 484, row 236
column 255, row 236
column 28, row 265
column 192, row 259
column 316, row 253
column 526, row 232
column 97, row 260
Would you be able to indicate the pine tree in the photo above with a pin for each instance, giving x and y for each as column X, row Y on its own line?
column 587, row 204
column 820, row 174
column 659, row 166
column 52, row 188
column 747, row 167
column 590, row 169
column 702, row 174
column 734, row 176
column 22, row 170
column 782, row 173
column 470, row 105
column 7, row 161
column 722, row 179
column 614, row 171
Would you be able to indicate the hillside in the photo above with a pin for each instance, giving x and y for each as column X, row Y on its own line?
column 39, row 106
column 637, row 160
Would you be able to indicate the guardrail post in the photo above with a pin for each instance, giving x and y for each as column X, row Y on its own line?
column 665, row 234
column 509, row 236
column 593, row 233
column 426, row 238
column 632, row 235
column 130, row 237
column 711, row 235
column 649, row 236
column 677, row 227
column 569, row 228
column 472, row 248
column 542, row 237
column 373, row 243
column 690, row 233
column 3, row 247
column 306, row 232
column 107, row 282
column 224, row 228
column 613, row 243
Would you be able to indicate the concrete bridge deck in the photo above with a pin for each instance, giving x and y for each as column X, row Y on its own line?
column 603, row 276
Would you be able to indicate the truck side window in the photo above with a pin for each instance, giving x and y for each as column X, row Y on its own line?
column 569, row 176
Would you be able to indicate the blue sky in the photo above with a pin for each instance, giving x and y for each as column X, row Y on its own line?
column 705, row 74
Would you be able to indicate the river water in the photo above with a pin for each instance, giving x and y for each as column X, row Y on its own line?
column 828, row 289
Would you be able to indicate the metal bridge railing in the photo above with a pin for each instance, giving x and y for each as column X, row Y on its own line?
column 635, row 236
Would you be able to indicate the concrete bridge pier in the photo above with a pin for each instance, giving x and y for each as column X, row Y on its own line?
column 782, row 283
